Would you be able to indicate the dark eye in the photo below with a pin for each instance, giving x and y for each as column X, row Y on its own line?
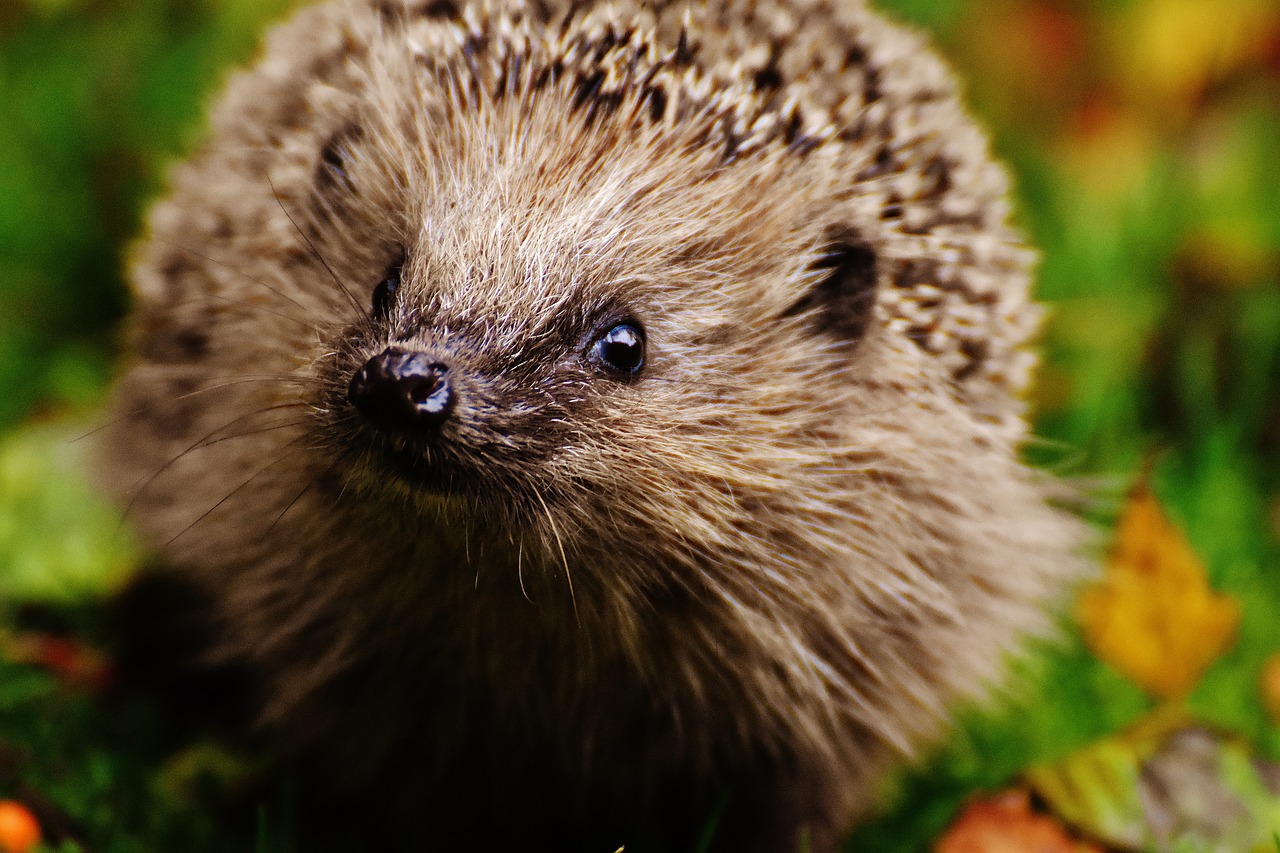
column 384, row 295
column 620, row 349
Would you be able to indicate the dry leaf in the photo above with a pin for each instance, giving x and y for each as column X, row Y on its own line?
column 1226, row 255
column 1153, row 616
column 1111, row 149
column 1166, row 783
column 1005, row 823
column 1097, row 788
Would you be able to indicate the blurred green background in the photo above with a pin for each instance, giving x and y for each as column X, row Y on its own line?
column 1145, row 140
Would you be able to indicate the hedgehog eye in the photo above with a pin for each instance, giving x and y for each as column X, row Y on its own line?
column 620, row 349
column 384, row 295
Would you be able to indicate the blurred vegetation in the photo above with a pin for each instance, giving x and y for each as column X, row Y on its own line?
column 97, row 97
column 1144, row 136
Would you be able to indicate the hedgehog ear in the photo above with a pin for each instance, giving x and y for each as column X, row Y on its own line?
column 842, row 289
column 332, row 177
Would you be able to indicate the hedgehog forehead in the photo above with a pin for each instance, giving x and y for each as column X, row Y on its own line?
column 512, row 238
column 496, row 250
column 544, row 174
column 499, row 299
column 597, row 96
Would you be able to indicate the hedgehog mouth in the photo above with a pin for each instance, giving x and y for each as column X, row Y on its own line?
column 424, row 469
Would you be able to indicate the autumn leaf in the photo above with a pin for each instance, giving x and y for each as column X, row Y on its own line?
column 1097, row 788
column 1153, row 615
column 1006, row 823
column 1165, row 783
column 1168, row 50
column 1111, row 150
column 1227, row 256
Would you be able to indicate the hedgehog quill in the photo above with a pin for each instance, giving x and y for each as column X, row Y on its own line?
column 606, row 414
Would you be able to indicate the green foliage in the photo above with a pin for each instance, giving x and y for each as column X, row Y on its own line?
column 98, row 765
column 59, row 541
column 98, row 97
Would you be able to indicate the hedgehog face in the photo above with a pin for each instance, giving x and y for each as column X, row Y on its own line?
column 559, row 310
column 517, row 363
column 462, row 400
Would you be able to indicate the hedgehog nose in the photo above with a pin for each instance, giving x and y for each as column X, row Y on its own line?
column 402, row 389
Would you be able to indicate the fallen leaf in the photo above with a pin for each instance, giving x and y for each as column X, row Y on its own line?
column 1153, row 615
column 204, row 773
column 1006, row 823
column 1165, row 783
column 1096, row 788
column 1109, row 150
column 1029, row 59
column 1224, row 257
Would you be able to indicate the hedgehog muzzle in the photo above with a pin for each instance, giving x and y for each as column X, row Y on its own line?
column 402, row 390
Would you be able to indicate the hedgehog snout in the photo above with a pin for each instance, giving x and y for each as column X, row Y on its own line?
column 399, row 389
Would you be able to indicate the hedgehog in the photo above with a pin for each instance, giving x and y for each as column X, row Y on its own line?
column 601, row 419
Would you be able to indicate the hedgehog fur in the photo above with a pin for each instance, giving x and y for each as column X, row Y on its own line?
column 750, row 576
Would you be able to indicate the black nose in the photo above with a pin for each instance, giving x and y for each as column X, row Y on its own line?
column 401, row 389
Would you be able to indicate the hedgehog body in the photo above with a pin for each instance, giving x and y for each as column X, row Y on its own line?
column 610, row 409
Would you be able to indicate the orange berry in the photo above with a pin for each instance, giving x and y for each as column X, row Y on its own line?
column 19, row 829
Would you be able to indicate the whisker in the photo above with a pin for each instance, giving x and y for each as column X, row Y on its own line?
column 240, row 273
column 520, row 570
column 305, row 489
column 237, row 489
column 246, row 380
column 240, row 303
column 100, row 427
column 242, row 380
column 564, row 558
column 311, row 245
column 251, row 432
column 140, row 487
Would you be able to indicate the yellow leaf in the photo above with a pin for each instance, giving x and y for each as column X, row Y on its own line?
column 1096, row 789
column 1168, row 50
column 1153, row 616
column 1226, row 255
